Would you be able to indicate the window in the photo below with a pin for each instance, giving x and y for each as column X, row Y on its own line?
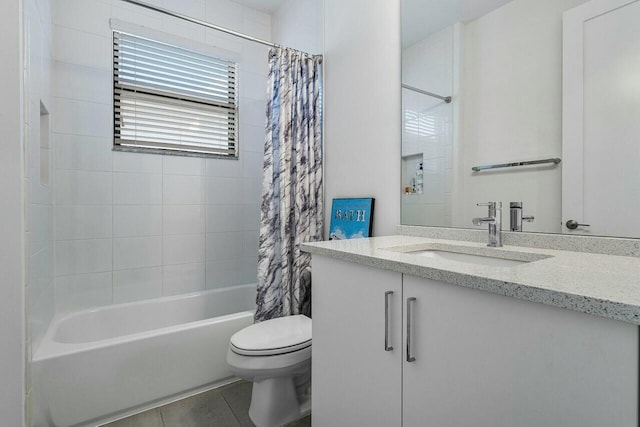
column 171, row 99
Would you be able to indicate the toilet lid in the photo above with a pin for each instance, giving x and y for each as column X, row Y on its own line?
column 275, row 336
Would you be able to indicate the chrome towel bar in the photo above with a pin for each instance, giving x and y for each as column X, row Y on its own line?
column 554, row 160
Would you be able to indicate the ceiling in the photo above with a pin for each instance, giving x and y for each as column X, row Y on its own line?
column 421, row 18
column 268, row 6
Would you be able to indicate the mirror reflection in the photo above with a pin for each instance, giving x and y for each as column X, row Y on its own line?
column 533, row 104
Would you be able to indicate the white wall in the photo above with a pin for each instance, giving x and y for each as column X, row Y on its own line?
column 12, row 323
column 136, row 226
column 298, row 24
column 512, row 109
column 362, row 105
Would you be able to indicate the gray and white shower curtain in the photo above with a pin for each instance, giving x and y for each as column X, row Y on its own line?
column 292, row 199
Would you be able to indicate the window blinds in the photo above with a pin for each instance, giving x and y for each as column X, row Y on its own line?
column 173, row 99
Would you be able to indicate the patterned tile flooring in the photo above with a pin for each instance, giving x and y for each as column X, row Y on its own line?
column 227, row 406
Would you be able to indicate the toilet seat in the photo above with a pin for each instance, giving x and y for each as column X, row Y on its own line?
column 271, row 351
column 273, row 337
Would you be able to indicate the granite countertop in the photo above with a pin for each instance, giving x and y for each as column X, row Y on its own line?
column 602, row 285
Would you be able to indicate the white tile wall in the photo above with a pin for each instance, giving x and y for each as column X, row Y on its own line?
column 224, row 246
column 82, row 118
column 137, row 284
column 224, row 190
column 220, row 274
column 132, row 226
column 136, row 188
column 229, row 14
column 83, row 188
column 127, row 12
column 82, row 256
column 183, row 190
column 83, row 222
column 88, row 16
column 79, row 47
column 39, row 263
column 136, row 252
column 136, row 163
column 39, row 197
column 184, row 278
column 178, row 165
column 183, row 219
column 81, row 82
column 83, row 153
column 221, row 167
column 183, row 249
column 225, row 217
column 83, row 290
column 135, row 221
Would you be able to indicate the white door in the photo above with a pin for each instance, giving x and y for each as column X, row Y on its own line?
column 356, row 366
column 601, row 118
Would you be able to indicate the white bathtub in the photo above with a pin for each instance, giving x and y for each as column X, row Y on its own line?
column 95, row 365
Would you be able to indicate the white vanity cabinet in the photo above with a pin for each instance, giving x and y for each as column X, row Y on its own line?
column 481, row 359
column 355, row 382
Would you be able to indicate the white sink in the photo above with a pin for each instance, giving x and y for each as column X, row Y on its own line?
column 468, row 258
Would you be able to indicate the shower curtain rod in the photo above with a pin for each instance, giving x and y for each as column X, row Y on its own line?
column 446, row 99
column 209, row 25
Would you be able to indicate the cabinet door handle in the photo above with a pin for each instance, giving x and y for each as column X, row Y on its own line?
column 387, row 328
column 410, row 357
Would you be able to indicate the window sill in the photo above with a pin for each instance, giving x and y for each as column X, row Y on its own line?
column 173, row 152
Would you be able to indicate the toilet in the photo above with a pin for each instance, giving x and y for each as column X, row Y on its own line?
column 275, row 355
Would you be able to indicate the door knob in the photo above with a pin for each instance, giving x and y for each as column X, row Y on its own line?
column 572, row 224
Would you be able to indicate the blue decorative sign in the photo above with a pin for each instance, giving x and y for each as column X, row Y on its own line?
column 351, row 218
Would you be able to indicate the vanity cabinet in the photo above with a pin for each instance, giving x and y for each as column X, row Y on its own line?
column 355, row 382
column 473, row 358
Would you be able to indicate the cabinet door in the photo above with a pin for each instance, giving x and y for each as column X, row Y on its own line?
column 485, row 360
column 355, row 382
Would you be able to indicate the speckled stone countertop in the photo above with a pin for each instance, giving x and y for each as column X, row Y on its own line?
column 602, row 285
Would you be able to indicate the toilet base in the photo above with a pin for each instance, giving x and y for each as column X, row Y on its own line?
column 276, row 402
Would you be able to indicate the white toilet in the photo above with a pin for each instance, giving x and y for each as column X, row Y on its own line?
column 276, row 356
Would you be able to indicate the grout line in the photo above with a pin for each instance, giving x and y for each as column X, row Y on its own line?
column 161, row 416
column 89, row 101
column 113, row 246
column 164, row 234
column 66, row 27
column 222, row 394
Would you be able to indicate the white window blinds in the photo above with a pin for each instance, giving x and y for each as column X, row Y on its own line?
column 167, row 98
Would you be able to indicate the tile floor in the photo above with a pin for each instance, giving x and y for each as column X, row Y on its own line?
column 227, row 406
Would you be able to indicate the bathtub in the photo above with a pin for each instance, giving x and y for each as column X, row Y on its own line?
column 96, row 365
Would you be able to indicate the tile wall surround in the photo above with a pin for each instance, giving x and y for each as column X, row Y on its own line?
column 38, row 185
column 132, row 226
column 38, row 188
column 590, row 244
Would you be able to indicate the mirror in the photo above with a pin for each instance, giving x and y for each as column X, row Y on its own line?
column 529, row 101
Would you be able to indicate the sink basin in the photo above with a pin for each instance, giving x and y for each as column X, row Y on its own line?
column 476, row 255
column 469, row 258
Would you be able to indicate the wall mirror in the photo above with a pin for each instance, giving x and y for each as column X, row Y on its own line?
column 528, row 101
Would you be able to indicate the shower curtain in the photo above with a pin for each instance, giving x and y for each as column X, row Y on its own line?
column 292, row 198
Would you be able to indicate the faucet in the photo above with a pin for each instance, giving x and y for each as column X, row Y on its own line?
column 494, row 219
column 516, row 216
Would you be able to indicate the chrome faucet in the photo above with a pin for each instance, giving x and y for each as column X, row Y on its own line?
column 516, row 216
column 494, row 219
